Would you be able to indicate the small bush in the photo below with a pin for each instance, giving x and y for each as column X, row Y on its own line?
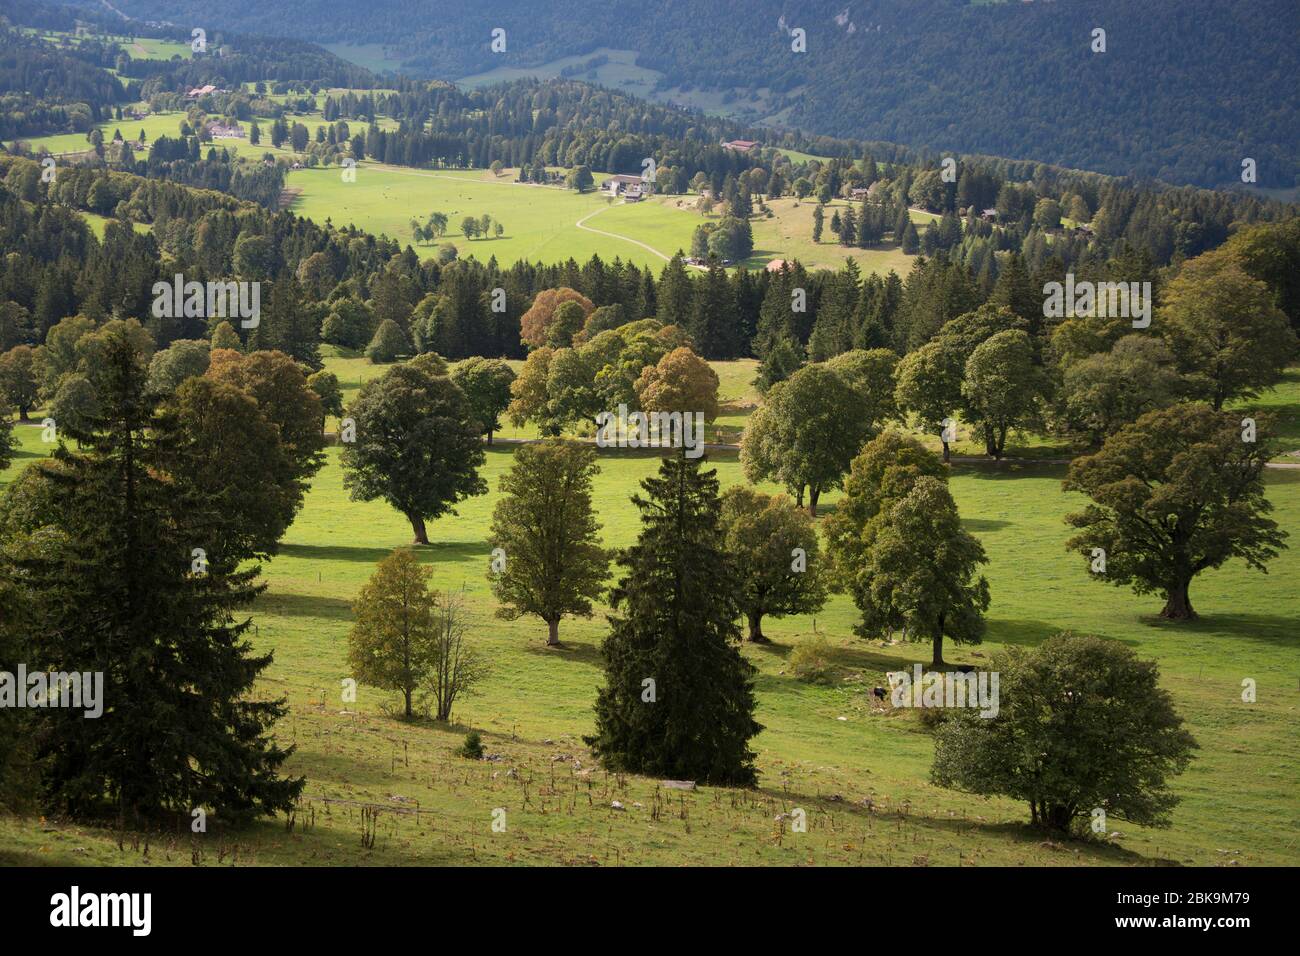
column 811, row 660
column 472, row 748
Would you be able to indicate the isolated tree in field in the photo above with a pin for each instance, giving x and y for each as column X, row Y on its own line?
column 917, row 570
column 392, row 642
column 929, row 387
column 486, row 384
column 417, row 446
column 678, row 699
column 882, row 472
column 548, row 536
column 435, row 227
column 580, row 178
column 1173, row 494
column 805, row 435
column 1082, row 724
column 458, row 668
column 534, row 324
column 19, row 386
column 773, row 543
column 1230, row 339
column 388, row 343
column 469, row 226
column 681, row 381
column 119, row 593
column 1002, row 388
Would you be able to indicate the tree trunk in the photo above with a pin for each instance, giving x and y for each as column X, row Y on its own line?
column 489, row 436
column 990, row 443
column 1058, row 817
column 946, row 453
column 799, row 498
column 756, row 628
column 409, row 712
column 814, row 492
column 553, row 633
column 22, row 413
column 1178, row 603
column 936, row 662
column 417, row 525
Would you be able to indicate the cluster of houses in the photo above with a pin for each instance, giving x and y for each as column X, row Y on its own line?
column 218, row 130
column 198, row 91
column 631, row 188
column 699, row 263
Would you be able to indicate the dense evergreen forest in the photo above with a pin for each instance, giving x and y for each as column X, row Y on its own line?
column 1016, row 79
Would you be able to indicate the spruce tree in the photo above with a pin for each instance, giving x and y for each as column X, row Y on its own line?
column 677, row 628
column 126, row 593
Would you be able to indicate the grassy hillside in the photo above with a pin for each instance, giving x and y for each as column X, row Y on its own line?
column 862, row 777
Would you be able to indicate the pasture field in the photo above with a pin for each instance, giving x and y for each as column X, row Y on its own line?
column 138, row 48
column 168, row 124
column 549, row 224
column 861, row 777
column 540, row 221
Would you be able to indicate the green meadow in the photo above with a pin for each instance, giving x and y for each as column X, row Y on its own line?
column 540, row 221
column 862, row 777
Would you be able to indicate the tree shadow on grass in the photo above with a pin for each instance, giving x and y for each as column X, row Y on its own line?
column 1007, row 470
column 975, row 525
column 1073, row 851
column 569, row 650
column 303, row 605
column 435, row 553
column 1267, row 628
column 1021, row 633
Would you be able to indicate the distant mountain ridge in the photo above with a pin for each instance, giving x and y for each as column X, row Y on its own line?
column 1184, row 92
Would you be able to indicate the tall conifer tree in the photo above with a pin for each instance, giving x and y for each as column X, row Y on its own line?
column 678, row 700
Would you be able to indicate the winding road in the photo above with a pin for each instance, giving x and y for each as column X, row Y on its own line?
column 581, row 224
